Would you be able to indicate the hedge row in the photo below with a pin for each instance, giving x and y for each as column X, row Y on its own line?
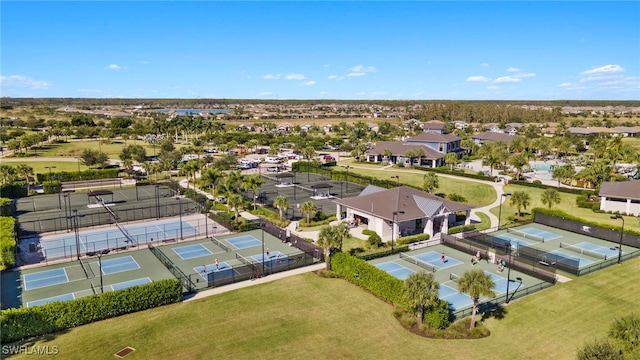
column 412, row 239
column 461, row 228
column 543, row 186
column 563, row 215
column 369, row 277
column 456, row 173
column 94, row 174
column 7, row 242
column 52, row 187
column 22, row 323
column 14, row 190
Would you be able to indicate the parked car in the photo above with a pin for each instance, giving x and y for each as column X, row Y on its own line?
column 328, row 158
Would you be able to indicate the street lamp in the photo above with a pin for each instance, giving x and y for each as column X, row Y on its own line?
column 508, row 271
column 206, row 215
column 500, row 209
column 347, row 177
column 66, row 213
column 157, row 201
column 262, row 234
column 77, row 232
column 397, row 177
column 180, row 211
column 99, row 254
column 618, row 216
column 50, row 175
column 394, row 226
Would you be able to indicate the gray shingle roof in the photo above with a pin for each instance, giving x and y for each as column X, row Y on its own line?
column 621, row 190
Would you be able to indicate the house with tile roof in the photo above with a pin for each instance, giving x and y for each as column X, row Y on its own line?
column 621, row 196
column 401, row 211
column 430, row 145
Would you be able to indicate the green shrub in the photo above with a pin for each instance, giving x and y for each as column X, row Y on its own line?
column 368, row 232
column 93, row 174
column 412, row 239
column 52, row 187
column 438, row 316
column 7, row 242
column 363, row 274
column 461, row 228
column 5, row 206
column 23, row 323
column 374, row 240
column 456, row 197
column 15, row 190
column 384, row 253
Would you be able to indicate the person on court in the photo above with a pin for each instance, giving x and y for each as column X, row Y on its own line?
column 217, row 265
column 443, row 258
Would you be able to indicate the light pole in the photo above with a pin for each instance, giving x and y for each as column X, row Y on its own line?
column 66, row 213
column 99, row 254
column 500, row 209
column 621, row 236
column 157, row 201
column 206, row 215
column 394, row 226
column 180, row 211
column 262, row 233
column 50, row 175
column 508, row 271
column 397, row 177
column 75, row 219
column 347, row 177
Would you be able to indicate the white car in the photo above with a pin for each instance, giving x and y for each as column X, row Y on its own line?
column 272, row 160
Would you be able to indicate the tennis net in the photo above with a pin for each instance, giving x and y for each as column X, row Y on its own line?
column 220, row 244
column 417, row 262
column 87, row 269
column 582, row 251
column 244, row 260
column 454, row 277
column 526, row 235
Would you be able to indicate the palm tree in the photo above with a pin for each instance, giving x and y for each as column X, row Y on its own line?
column 210, row 178
column 563, row 172
column 519, row 199
column 24, row 171
column 421, row 291
column 328, row 240
column 387, row 155
column 281, row 203
column 341, row 232
column 410, row 155
column 518, row 162
column 309, row 208
column 430, row 182
column 7, row 173
column 252, row 182
column 235, row 202
column 308, row 152
column 476, row 283
column 550, row 197
column 451, row 159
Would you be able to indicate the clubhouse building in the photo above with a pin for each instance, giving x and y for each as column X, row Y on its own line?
column 401, row 211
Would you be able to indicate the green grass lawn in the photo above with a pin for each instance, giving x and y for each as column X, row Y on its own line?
column 75, row 148
column 635, row 142
column 567, row 204
column 477, row 194
column 309, row 316
column 39, row 166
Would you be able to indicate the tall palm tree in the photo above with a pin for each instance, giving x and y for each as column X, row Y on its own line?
column 476, row 283
column 7, row 173
column 550, row 196
column 309, row 208
column 252, row 182
column 430, row 182
column 519, row 199
column 210, row 178
column 24, row 171
column 281, row 203
column 421, row 291
column 563, row 172
column 328, row 240
column 235, row 202
column 387, row 155
column 518, row 162
column 451, row 159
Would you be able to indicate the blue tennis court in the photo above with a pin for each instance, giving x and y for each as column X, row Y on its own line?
column 192, row 251
column 274, row 259
column 501, row 283
column 546, row 235
column 223, row 271
column 244, row 241
column 130, row 283
column 609, row 252
column 395, row 269
column 65, row 297
column 557, row 256
column 434, row 258
column 112, row 266
column 44, row 278
column 515, row 242
column 96, row 240
column 455, row 299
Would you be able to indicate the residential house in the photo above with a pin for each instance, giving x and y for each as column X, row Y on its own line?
column 430, row 146
column 622, row 196
column 488, row 136
column 434, row 126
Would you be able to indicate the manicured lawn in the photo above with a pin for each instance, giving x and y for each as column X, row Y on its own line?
column 485, row 222
column 75, row 148
column 308, row 316
column 635, row 142
column 39, row 166
column 477, row 194
column 567, row 204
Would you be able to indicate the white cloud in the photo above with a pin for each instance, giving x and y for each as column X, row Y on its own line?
column 524, row 75
column 308, row 83
column 484, row 65
column 293, row 76
column 600, row 77
column 565, row 85
column 513, row 69
column 478, row 78
column 362, row 68
column 507, row 79
column 23, row 81
column 265, row 93
column 90, row 90
column 114, row 67
column 606, row 69
column 272, row 76
column 356, row 74
column 335, row 77
column 144, row 62
column 493, row 87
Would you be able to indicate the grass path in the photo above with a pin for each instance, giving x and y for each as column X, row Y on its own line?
column 306, row 316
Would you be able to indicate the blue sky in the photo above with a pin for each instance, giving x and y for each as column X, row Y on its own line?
column 322, row 50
